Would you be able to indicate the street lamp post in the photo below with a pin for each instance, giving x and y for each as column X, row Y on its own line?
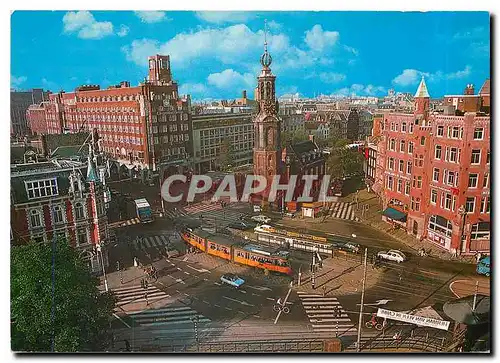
column 462, row 211
column 99, row 253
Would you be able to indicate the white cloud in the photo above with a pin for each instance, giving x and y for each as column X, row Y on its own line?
column 412, row 76
column 17, row 81
column 220, row 17
column 232, row 80
column 194, row 89
column 274, row 25
column 50, row 85
column 318, row 40
column 84, row 23
column 331, row 77
column 360, row 90
column 123, row 31
column 475, row 33
column 231, row 45
column 151, row 17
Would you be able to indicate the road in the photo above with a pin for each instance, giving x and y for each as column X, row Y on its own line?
column 189, row 286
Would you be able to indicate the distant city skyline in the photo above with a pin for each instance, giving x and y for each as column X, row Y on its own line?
column 215, row 55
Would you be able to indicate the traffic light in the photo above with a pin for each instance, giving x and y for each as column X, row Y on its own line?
column 117, row 265
column 142, row 284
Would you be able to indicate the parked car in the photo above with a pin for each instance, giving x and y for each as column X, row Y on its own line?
column 261, row 219
column 392, row 255
column 257, row 209
column 232, row 279
column 290, row 214
column 483, row 266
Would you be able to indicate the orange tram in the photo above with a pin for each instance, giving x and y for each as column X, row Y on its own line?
column 238, row 251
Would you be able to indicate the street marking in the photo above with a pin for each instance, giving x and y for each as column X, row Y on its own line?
column 218, row 284
column 187, row 273
column 217, row 305
column 167, row 260
column 199, row 270
column 270, row 298
column 241, row 302
column 242, row 291
column 206, row 302
column 172, row 264
column 205, row 279
column 256, row 316
column 181, row 281
column 260, row 288
column 186, row 294
column 227, row 308
column 179, row 269
column 256, row 294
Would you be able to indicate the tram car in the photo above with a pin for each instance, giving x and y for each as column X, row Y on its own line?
column 238, row 251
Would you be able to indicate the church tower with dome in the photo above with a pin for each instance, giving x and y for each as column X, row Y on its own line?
column 266, row 151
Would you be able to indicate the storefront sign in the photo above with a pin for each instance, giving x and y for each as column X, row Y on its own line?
column 413, row 319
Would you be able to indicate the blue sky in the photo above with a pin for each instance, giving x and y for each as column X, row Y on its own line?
column 216, row 54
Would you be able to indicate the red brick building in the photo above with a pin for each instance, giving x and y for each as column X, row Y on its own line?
column 59, row 198
column 36, row 117
column 433, row 173
column 145, row 128
column 470, row 102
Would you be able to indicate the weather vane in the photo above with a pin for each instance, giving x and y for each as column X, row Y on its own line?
column 265, row 34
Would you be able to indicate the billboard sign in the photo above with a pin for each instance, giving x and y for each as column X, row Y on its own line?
column 413, row 319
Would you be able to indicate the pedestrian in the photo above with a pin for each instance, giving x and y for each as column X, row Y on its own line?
column 478, row 257
column 127, row 345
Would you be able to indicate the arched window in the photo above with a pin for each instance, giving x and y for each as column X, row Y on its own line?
column 58, row 214
column 35, row 218
column 79, row 211
column 392, row 145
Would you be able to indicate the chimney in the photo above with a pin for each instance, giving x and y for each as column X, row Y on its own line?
column 311, row 137
column 244, row 94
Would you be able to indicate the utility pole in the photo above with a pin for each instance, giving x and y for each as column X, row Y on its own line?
column 313, row 266
column 475, row 297
column 300, row 275
column 358, row 348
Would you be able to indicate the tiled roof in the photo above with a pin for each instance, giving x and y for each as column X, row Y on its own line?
column 485, row 89
column 70, row 151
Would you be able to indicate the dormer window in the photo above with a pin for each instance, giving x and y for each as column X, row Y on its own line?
column 41, row 188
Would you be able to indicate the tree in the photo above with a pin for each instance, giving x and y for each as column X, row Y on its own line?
column 82, row 314
column 226, row 156
column 293, row 137
column 344, row 161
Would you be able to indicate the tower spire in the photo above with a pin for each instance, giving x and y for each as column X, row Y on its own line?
column 265, row 35
column 266, row 58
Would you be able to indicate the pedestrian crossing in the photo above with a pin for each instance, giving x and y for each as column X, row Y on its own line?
column 202, row 207
column 343, row 210
column 134, row 294
column 167, row 316
column 151, row 242
column 321, row 311
column 128, row 222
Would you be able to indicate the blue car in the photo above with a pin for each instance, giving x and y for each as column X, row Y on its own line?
column 483, row 267
column 232, row 279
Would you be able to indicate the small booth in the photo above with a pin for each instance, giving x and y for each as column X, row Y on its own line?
column 395, row 215
column 311, row 210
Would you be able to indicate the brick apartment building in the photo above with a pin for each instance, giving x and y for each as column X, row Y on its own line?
column 60, row 198
column 433, row 174
column 470, row 102
column 143, row 129
column 19, row 103
column 36, row 117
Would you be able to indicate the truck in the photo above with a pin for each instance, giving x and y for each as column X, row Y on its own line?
column 144, row 212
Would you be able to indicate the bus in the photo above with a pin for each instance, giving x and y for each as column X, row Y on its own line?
column 483, row 266
column 144, row 211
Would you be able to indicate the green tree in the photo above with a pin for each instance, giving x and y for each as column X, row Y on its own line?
column 82, row 314
column 226, row 156
column 343, row 161
column 293, row 137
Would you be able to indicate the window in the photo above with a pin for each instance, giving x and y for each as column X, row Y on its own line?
column 473, row 180
column 392, row 145
column 392, row 126
column 391, row 163
column 408, row 167
column 440, row 225
column 478, row 133
column 35, row 218
column 453, row 154
column 79, row 211
column 422, row 140
column 400, row 185
column 451, row 178
column 440, row 131
column 100, row 207
column 402, row 146
column 81, row 236
column 419, row 182
column 485, row 205
column 435, row 175
column 434, row 196
column 403, row 127
column 407, row 188
column 390, row 182
column 486, row 180
column 58, row 216
column 476, row 157
column 410, row 148
column 455, row 132
column 41, row 188
column 411, row 127
column 401, row 166
column 470, row 203
column 480, row 230
column 447, row 201
column 437, row 152
column 488, row 158
column 420, row 161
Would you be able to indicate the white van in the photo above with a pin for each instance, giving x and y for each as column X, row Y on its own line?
column 257, row 209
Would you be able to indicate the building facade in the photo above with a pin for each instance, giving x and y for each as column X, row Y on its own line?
column 19, row 103
column 36, row 117
column 55, row 199
column 146, row 128
column 210, row 132
column 433, row 173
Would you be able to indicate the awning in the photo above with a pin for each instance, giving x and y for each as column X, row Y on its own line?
column 395, row 214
